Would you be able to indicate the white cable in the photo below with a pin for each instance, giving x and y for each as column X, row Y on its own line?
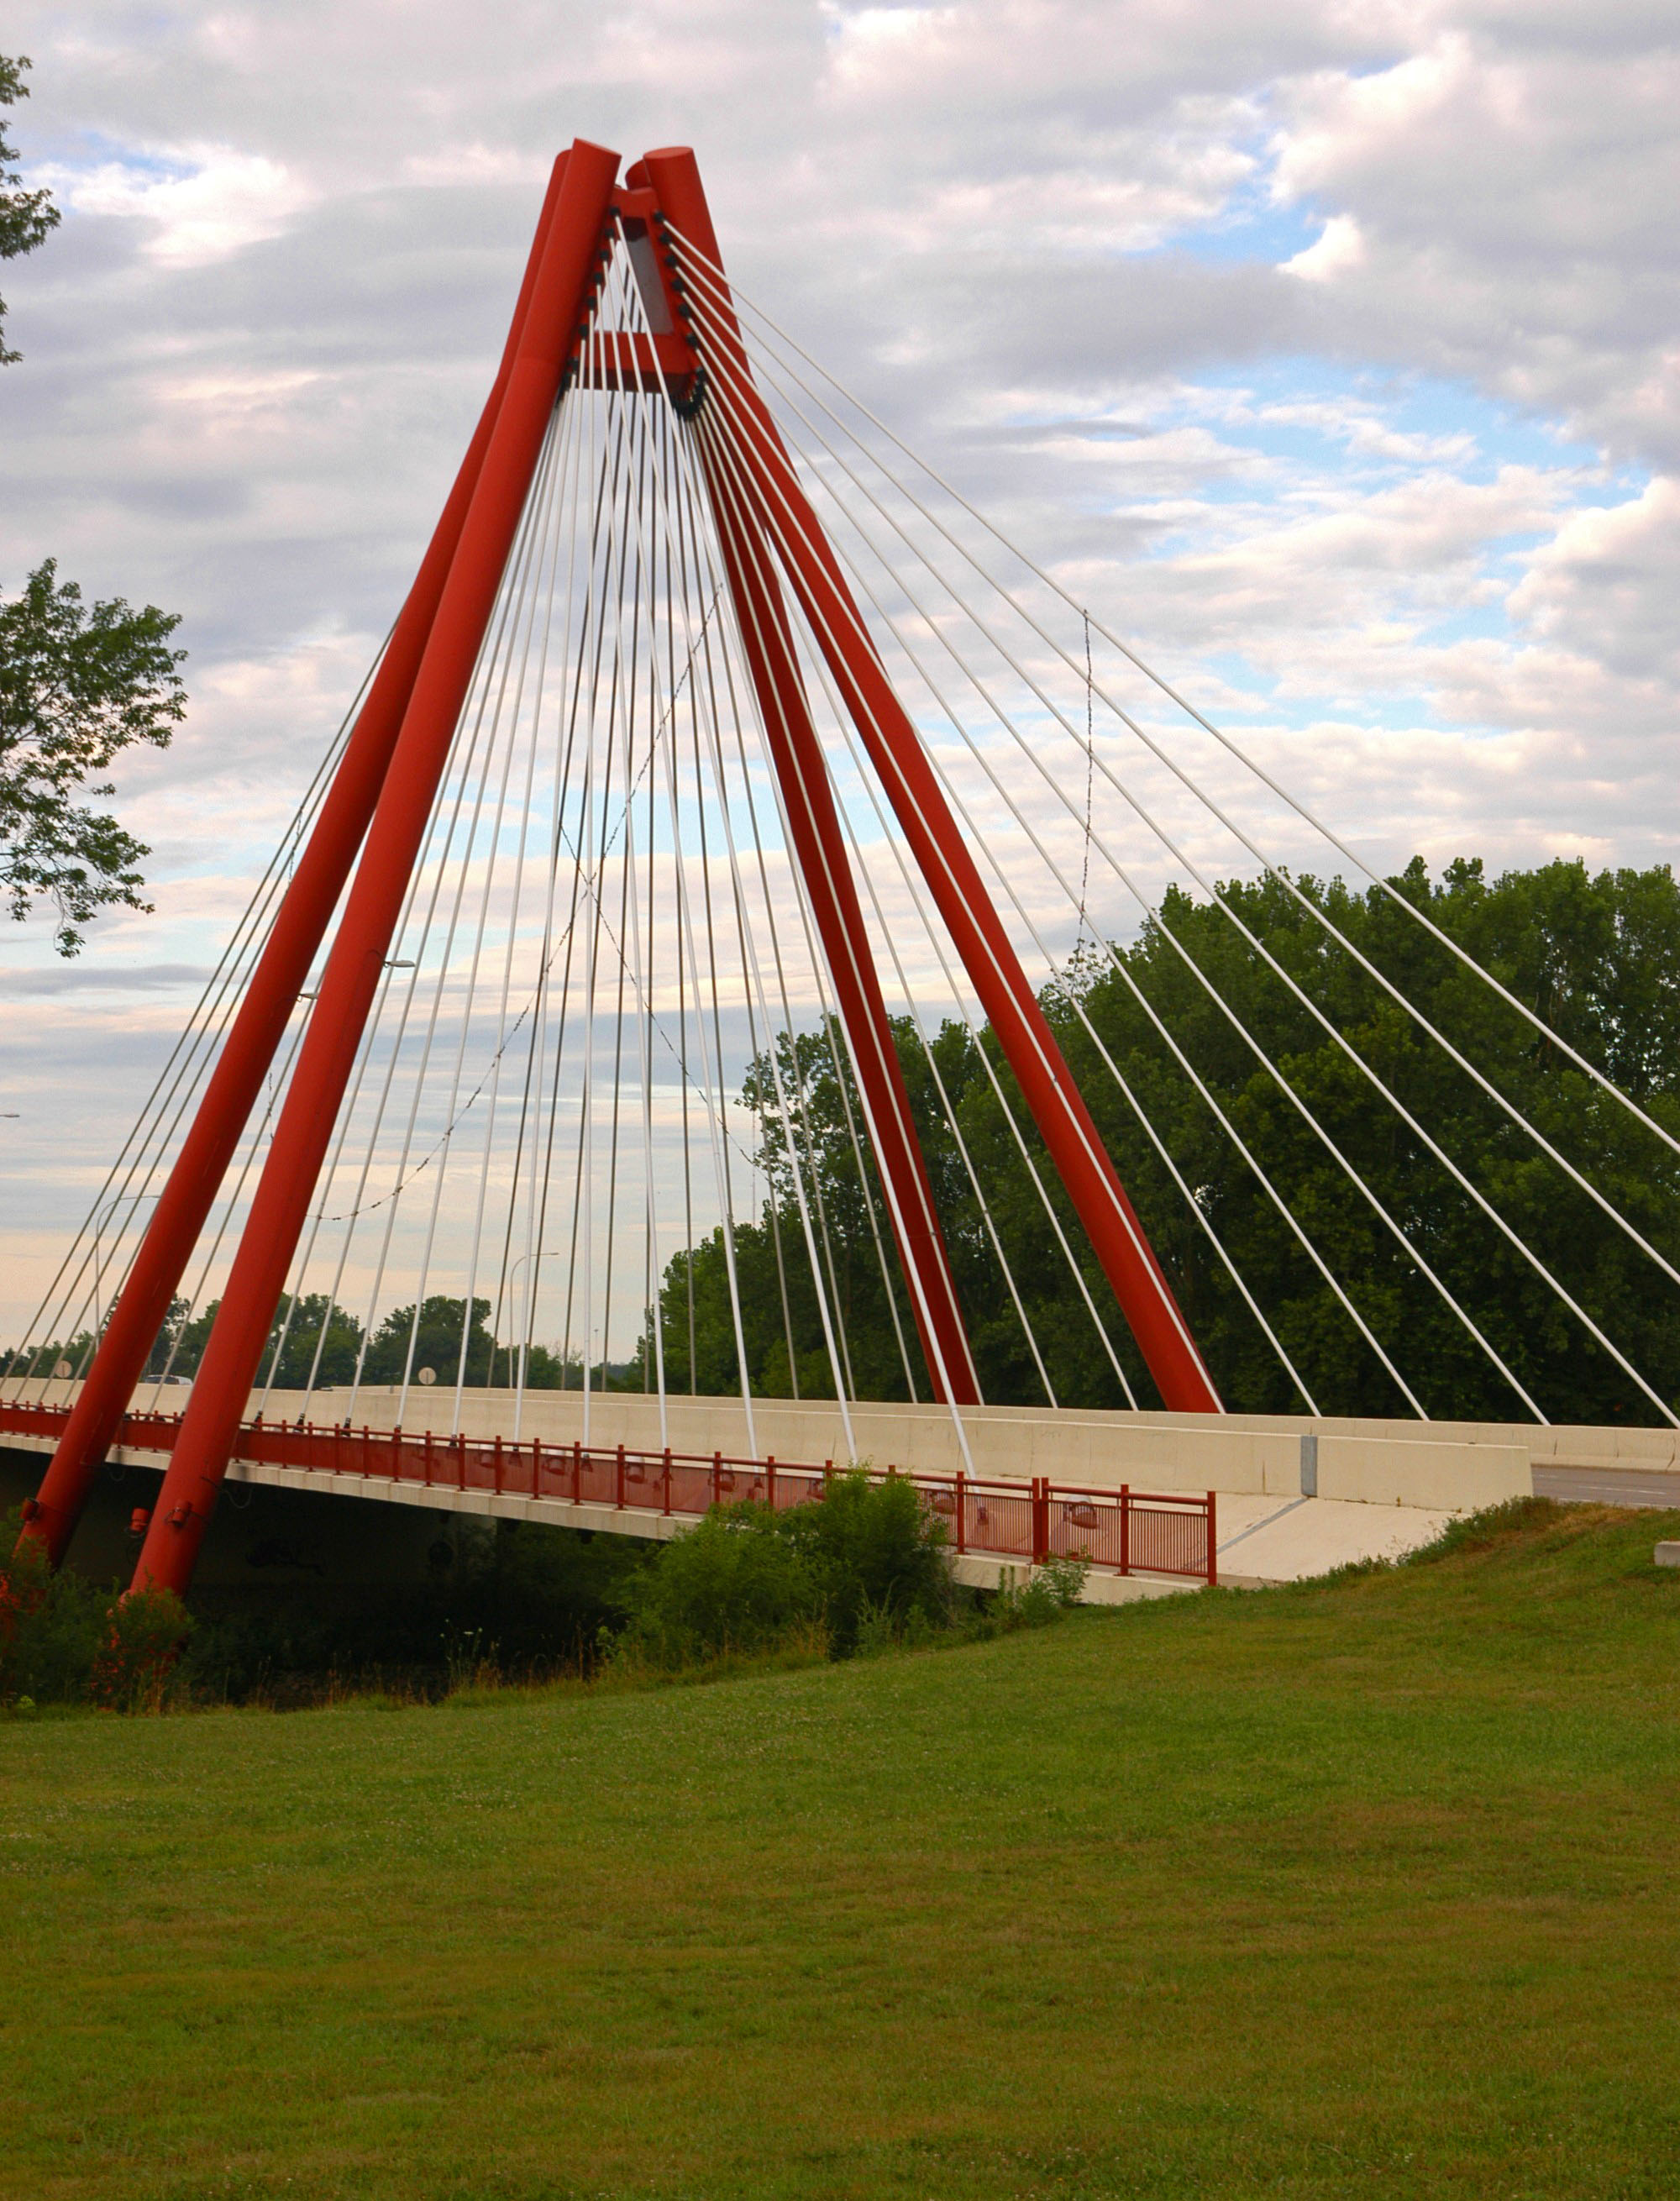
column 734, row 298
column 889, row 763
column 1281, row 876
column 1003, row 717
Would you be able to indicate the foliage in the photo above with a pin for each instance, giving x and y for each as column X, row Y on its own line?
column 867, row 1554
column 66, row 1641
column 1596, row 957
column 731, row 1583
column 77, row 687
column 26, row 218
column 525, row 1598
column 318, row 1345
column 1047, row 1591
column 873, row 1545
column 442, row 1338
column 438, row 1343
column 140, row 1641
column 50, row 1625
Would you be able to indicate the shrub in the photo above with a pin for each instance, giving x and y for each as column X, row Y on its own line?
column 49, row 1626
column 1044, row 1596
column 733, row 1583
column 65, row 1640
column 141, row 1638
column 865, row 1563
column 871, row 1547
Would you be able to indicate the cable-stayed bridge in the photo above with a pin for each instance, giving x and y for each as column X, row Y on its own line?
column 725, row 778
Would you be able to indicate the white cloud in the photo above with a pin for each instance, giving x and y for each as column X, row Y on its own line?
column 1332, row 350
column 1339, row 248
column 200, row 204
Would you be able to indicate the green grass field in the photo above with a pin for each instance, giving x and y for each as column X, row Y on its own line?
column 1371, row 1887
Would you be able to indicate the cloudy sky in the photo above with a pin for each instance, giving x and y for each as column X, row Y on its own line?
column 1331, row 349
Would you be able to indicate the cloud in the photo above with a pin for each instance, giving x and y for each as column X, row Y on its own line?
column 198, row 203
column 1339, row 248
column 1330, row 352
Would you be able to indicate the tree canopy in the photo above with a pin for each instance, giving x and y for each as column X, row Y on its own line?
column 1596, row 957
column 79, row 684
column 27, row 217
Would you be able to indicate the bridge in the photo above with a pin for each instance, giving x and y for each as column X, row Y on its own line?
column 728, row 793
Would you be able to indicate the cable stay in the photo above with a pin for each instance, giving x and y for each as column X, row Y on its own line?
column 699, row 974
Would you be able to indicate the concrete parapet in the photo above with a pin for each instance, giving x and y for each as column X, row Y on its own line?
column 1436, row 1466
column 1444, row 1477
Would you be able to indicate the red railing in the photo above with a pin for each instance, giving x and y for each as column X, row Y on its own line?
column 1122, row 1531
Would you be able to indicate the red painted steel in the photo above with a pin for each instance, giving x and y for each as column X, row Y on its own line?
column 392, row 764
column 561, row 293
column 1121, row 1531
column 270, row 995
column 781, row 511
column 820, row 848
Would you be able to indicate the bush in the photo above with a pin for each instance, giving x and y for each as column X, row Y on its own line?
column 873, row 1548
column 864, row 1562
column 141, row 1638
column 64, row 1640
column 1044, row 1596
column 49, row 1626
column 736, row 1582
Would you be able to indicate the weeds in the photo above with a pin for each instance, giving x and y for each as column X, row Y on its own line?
column 65, row 1640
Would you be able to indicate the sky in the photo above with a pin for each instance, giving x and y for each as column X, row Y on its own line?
column 1329, row 349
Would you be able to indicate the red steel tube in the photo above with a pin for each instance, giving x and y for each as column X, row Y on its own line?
column 896, row 750
column 259, row 1024
column 560, row 299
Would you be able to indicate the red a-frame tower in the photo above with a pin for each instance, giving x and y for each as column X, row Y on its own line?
column 383, row 792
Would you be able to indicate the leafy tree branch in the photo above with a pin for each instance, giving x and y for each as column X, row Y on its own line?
column 79, row 684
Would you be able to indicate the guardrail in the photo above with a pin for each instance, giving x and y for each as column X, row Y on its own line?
column 1122, row 1531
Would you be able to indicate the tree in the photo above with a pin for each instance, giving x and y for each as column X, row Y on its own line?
column 26, row 218
column 437, row 1341
column 1597, row 957
column 78, row 686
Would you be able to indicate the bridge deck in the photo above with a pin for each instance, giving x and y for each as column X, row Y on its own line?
column 1266, row 1527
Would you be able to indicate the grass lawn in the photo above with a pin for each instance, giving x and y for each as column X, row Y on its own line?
column 1372, row 1886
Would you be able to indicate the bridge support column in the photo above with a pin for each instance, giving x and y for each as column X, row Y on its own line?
column 779, row 511
column 561, row 294
column 270, row 997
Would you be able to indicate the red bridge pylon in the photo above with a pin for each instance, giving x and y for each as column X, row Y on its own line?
column 387, row 781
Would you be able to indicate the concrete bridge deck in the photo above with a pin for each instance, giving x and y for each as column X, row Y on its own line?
column 1295, row 1496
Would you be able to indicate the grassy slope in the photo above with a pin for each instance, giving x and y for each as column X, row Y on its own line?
column 1368, row 1887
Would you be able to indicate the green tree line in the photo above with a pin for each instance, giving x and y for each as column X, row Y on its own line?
column 1596, row 957
column 311, row 1340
